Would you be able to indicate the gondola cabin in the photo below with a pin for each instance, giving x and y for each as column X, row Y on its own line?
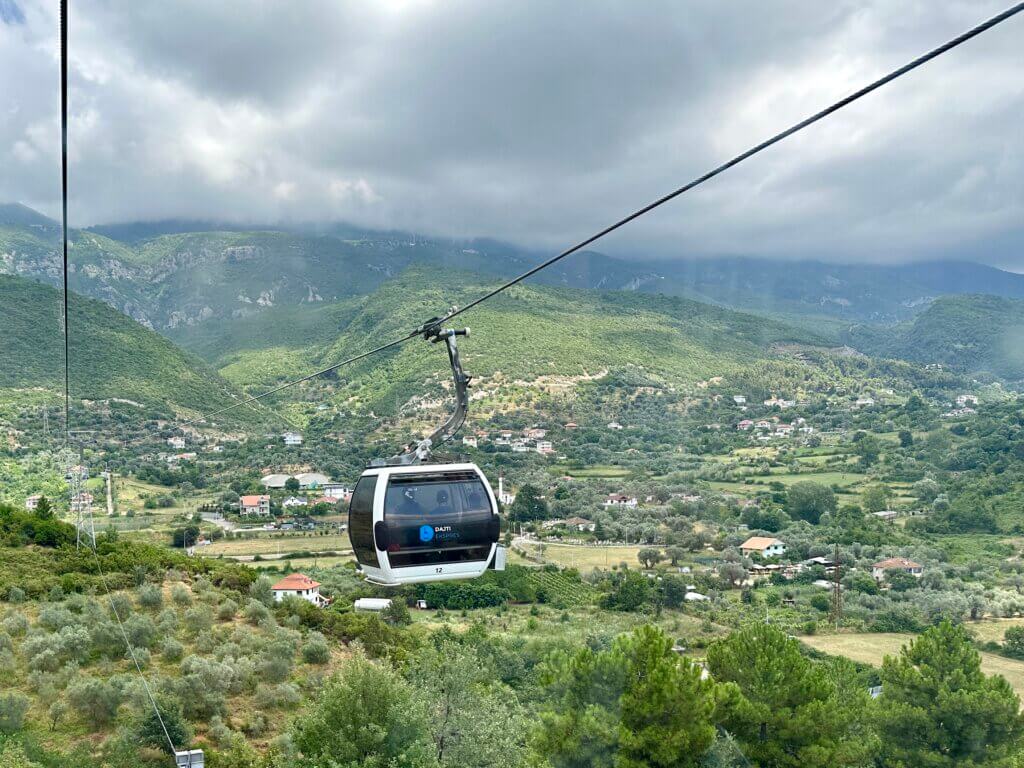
column 424, row 522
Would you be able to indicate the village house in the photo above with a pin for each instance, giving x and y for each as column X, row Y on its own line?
column 784, row 430
column 963, row 400
column 745, row 424
column 254, row 505
column 470, row 440
column 886, row 514
column 545, row 447
column 301, row 586
column 620, row 500
column 520, row 447
column 864, row 402
column 879, row 569
column 548, row 524
column 614, row 426
column 535, row 433
column 293, row 501
column 958, row 412
column 32, row 502
column 177, row 443
column 336, row 491
column 324, row 500
column 763, row 424
column 571, row 425
column 763, row 546
column 292, row 438
column 739, row 399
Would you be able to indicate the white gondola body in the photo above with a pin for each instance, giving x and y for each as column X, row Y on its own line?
column 457, row 539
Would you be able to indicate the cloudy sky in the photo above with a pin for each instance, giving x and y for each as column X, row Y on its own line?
column 531, row 121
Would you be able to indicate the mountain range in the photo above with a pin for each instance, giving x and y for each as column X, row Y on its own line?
column 250, row 309
column 166, row 277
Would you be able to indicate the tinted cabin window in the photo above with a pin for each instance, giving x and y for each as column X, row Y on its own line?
column 360, row 521
column 437, row 518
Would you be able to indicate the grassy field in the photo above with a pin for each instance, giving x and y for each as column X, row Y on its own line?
column 596, row 472
column 130, row 494
column 278, row 542
column 872, row 648
column 585, row 558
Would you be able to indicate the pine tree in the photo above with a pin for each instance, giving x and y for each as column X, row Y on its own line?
column 938, row 709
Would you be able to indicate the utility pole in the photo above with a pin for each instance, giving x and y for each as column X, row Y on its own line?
column 837, row 590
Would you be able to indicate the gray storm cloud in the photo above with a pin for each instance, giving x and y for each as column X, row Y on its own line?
column 534, row 122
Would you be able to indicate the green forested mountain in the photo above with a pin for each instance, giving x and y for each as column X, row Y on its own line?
column 528, row 332
column 111, row 355
column 971, row 333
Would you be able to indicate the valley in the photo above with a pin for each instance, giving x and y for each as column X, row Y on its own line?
column 652, row 449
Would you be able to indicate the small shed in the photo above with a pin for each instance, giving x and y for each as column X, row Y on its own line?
column 372, row 604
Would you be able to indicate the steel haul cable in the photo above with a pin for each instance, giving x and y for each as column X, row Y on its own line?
column 67, row 357
column 820, row 115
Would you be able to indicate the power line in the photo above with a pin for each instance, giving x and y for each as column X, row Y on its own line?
column 64, row 208
column 321, row 372
column 835, row 107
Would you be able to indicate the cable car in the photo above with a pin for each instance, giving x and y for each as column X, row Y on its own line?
column 427, row 522
column 411, row 520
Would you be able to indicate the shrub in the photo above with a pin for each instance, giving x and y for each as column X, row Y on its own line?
column 121, row 606
column 227, row 610
column 15, row 624
column 277, row 696
column 181, row 595
column 172, row 650
column 261, row 590
column 255, row 612
column 198, row 620
column 13, row 706
column 97, row 700
column 151, row 597
column 141, row 631
column 15, row 595
column 316, row 652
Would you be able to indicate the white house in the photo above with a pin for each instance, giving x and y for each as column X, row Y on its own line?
column 614, row 426
column 177, row 443
column 470, row 441
column 963, row 400
column 520, row 448
column 535, row 433
column 292, row 438
column 763, row 546
column 293, row 501
column 544, row 446
column 32, row 502
column 254, row 505
column 739, row 399
column 620, row 500
column 336, row 490
column 864, row 401
column 744, row 425
column 301, row 586
column 879, row 569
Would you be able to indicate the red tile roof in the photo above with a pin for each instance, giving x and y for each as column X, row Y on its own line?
column 296, row 581
column 253, row 501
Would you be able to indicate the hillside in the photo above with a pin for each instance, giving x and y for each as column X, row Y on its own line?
column 969, row 333
column 111, row 355
column 166, row 276
column 529, row 332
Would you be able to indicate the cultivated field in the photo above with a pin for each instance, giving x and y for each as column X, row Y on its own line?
column 271, row 543
column 583, row 558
